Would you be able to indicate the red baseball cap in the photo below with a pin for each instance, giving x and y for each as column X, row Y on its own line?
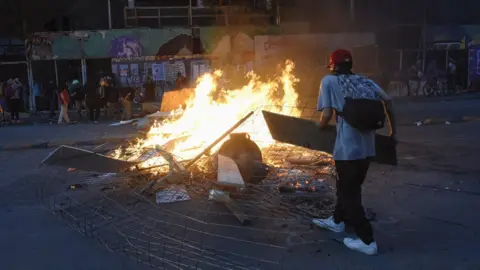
column 340, row 56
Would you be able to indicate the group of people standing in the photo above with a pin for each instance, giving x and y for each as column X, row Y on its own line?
column 418, row 78
column 11, row 95
column 93, row 97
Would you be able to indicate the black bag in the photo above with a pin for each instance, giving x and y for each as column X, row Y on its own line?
column 364, row 113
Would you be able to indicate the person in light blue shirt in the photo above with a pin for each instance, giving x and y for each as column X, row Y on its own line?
column 353, row 148
column 37, row 93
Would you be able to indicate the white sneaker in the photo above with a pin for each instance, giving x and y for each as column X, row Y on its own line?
column 359, row 245
column 329, row 224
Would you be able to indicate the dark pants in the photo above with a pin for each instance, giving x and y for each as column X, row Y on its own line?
column 79, row 105
column 94, row 109
column 452, row 86
column 349, row 209
column 52, row 105
column 15, row 108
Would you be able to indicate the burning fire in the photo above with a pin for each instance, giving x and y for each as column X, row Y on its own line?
column 213, row 110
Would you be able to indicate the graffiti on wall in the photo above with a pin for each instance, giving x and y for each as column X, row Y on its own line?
column 182, row 44
column 39, row 47
column 119, row 43
column 125, row 47
column 131, row 43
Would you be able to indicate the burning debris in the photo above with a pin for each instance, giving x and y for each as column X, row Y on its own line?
column 218, row 149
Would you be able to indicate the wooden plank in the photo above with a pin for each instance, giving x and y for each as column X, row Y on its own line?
column 228, row 173
column 222, row 197
column 305, row 133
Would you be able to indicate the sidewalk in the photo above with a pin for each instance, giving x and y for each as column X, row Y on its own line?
column 47, row 136
column 463, row 96
column 43, row 117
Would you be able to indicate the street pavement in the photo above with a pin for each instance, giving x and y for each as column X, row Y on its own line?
column 409, row 111
column 425, row 207
column 24, row 135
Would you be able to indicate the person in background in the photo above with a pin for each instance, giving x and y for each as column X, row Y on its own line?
column 37, row 94
column 113, row 98
column 7, row 95
column 93, row 100
column 127, row 99
column 3, row 106
column 181, row 81
column 64, row 100
column 78, row 97
column 149, row 86
column 15, row 100
column 353, row 148
column 452, row 75
column 102, row 86
column 50, row 92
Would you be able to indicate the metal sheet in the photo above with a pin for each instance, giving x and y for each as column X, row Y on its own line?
column 305, row 133
column 84, row 160
column 300, row 132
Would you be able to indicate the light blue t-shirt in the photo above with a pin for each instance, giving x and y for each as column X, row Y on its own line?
column 350, row 143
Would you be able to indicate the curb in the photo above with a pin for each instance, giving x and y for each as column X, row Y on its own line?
column 422, row 99
column 445, row 120
column 54, row 144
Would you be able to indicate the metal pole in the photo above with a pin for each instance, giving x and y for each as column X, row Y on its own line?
column 30, row 86
column 109, row 15
column 400, row 65
column 56, row 71
column 352, row 10
column 190, row 19
column 424, row 34
column 446, row 57
column 225, row 134
column 84, row 71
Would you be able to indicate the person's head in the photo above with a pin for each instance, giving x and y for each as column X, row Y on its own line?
column 340, row 61
column 179, row 75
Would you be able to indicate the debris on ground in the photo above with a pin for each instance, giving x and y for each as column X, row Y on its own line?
column 255, row 187
column 172, row 194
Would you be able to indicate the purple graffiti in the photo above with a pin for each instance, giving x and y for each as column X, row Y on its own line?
column 125, row 47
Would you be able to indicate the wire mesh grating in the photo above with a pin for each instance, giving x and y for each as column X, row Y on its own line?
column 195, row 231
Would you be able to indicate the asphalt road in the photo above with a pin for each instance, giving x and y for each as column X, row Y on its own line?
column 426, row 207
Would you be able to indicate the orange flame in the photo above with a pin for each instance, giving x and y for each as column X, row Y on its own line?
column 205, row 118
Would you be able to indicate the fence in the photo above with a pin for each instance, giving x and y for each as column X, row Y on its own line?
column 158, row 17
column 395, row 65
column 388, row 68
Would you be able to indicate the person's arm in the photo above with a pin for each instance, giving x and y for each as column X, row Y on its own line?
column 327, row 115
column 388, row 102
column 325, row 103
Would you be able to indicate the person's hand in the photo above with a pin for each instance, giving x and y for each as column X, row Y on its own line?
column 393, row 137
